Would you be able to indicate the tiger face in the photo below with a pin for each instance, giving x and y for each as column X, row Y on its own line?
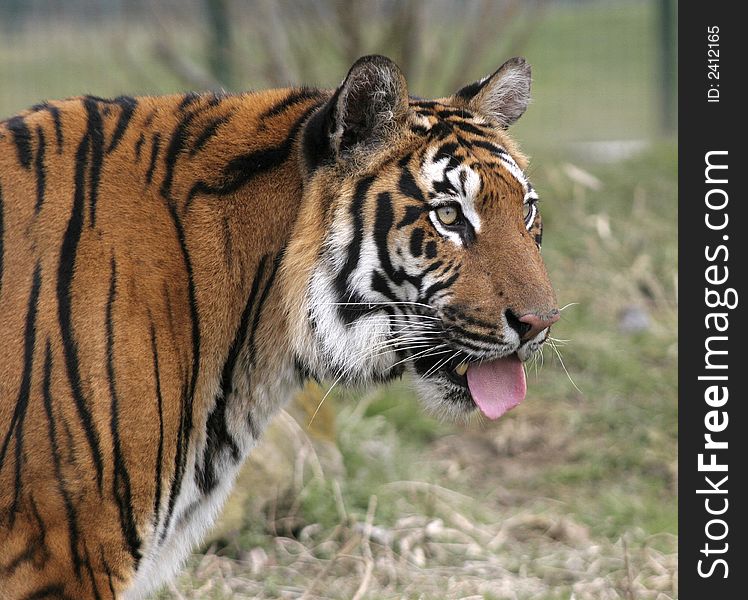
column 429, row 261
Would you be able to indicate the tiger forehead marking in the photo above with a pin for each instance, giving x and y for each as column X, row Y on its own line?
column 152, row 329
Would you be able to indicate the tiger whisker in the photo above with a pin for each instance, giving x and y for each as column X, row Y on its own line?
column 359, row 359
column 374, row 305
column 439, row 365
column 563, row 366
column 421, row 354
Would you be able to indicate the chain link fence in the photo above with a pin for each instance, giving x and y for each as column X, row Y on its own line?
column 604, row 70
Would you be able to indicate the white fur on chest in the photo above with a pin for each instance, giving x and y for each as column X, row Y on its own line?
column 194, row 511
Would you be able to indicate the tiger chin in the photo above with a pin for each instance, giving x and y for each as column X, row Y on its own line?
column 173, row 268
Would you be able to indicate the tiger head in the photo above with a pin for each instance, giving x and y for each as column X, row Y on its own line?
column 426, row 252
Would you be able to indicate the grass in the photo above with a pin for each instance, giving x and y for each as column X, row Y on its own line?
column 594, row 72
column 593, row 65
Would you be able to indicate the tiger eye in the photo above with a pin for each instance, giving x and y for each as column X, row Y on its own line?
column 448, row 215
column 527, row 211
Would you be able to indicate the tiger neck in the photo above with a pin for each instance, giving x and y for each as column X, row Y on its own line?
column 241, row 210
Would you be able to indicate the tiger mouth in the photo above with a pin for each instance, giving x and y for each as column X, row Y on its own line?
column 455, row 369
column 457, row 374
column 494, row 386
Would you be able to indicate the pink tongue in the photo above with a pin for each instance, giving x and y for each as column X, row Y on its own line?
column 497, row 386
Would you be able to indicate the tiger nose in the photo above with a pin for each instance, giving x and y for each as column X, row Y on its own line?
column 529, row 325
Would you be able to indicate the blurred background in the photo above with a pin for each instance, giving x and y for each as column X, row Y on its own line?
column 573, row 494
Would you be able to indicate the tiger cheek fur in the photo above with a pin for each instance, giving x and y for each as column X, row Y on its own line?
column 173, row 268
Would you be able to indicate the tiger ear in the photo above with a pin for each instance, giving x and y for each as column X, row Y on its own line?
column 368, row 105
column 503, row 96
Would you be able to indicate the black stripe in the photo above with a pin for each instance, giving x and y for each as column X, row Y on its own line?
column 51, row 592
column 41, row 176
column 242, row 169
column 383, row 222
column 448, row 151
column 72, row 518
column 218, row 436
column 65, row 271
column 127, row 109
column 432, row 267
column 471, row 128
column 139, row 146
column 160, row 449
column 241, row 332
column 40, row 546
column 439, row 285
column 186, row 424
column 55, row 112
column 22, row 139
column 95, row 134
column 155, row 145
column 24, row 391
column 457, row 313
column 188, row 99
column 447, row 113
column 463, row 141
column 422, row 103
column 412, row 213
column 354, row 248
column 379, row 284
column 431, row 249
column 303, row 372
column 210, row 130
column 89, row 569
column 295, row 97
column 463, row 335
column 470, row 347
column 175, row 147
column 25, row 556
column 258, row 313
column 416, row 241
column 490, row 146
column 72, row 454
column 108, row 571
column 121, row 478
column 178, row 466
column 408, row 186
column 440, row 130
column 178, row 139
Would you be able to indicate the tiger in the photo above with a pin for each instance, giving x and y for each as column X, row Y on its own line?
column 174, row 268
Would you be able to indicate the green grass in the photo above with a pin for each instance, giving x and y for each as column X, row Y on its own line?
column 594, row 65
column 594, row 75
column 621, row 431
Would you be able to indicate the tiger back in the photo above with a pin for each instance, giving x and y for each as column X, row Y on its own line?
column 172, row 269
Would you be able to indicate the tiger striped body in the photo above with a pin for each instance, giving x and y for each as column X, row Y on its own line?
column 173, row 268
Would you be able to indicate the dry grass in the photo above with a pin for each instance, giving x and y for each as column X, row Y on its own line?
column 510, row 555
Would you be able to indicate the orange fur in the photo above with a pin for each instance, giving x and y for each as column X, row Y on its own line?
column 157, row 254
